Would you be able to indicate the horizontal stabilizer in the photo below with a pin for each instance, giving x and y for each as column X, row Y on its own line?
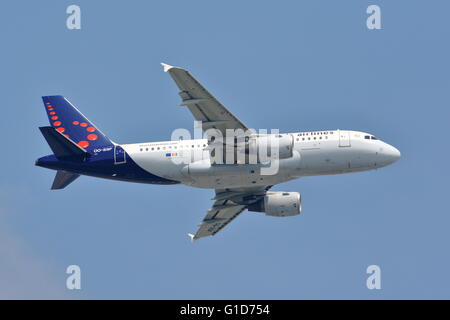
column 63, row 179
column 62, row 146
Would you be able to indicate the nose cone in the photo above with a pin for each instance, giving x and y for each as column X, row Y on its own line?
column 391, row 154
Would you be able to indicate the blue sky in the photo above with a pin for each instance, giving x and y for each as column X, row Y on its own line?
column 292, row 65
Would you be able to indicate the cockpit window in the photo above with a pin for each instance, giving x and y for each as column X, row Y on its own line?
column 366, row 137
column 374, row 138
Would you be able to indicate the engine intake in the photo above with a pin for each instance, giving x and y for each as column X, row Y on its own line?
column 278, row 204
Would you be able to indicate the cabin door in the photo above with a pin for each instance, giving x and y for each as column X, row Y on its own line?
column 344, row 138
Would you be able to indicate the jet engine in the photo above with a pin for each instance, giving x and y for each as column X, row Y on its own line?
column 271, row 146
column 278, row 204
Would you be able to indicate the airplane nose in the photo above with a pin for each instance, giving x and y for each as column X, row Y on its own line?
column 392, row 154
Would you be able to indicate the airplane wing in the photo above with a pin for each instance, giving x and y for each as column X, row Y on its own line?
column 228, row 205
column 202, row 104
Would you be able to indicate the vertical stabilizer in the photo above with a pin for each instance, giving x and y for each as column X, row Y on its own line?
column 67, row 120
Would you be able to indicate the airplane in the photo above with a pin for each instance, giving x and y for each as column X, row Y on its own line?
column 80, row 148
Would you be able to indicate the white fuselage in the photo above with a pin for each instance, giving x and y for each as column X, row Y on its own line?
column 314, row 153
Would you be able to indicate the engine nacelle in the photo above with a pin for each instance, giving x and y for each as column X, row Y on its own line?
column 272, row 146
column 278, row 204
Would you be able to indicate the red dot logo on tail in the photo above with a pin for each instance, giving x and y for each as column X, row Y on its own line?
column 83, row 144
column 92, row 136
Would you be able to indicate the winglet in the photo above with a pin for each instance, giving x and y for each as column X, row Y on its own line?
column 192, row 236
column 166, row 66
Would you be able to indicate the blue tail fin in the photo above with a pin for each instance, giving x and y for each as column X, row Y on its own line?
column 66, row 119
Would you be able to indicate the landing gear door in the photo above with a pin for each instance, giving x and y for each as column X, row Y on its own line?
column 119, row 155
column 344, row 138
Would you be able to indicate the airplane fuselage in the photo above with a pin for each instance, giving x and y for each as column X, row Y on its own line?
column 188, row 162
